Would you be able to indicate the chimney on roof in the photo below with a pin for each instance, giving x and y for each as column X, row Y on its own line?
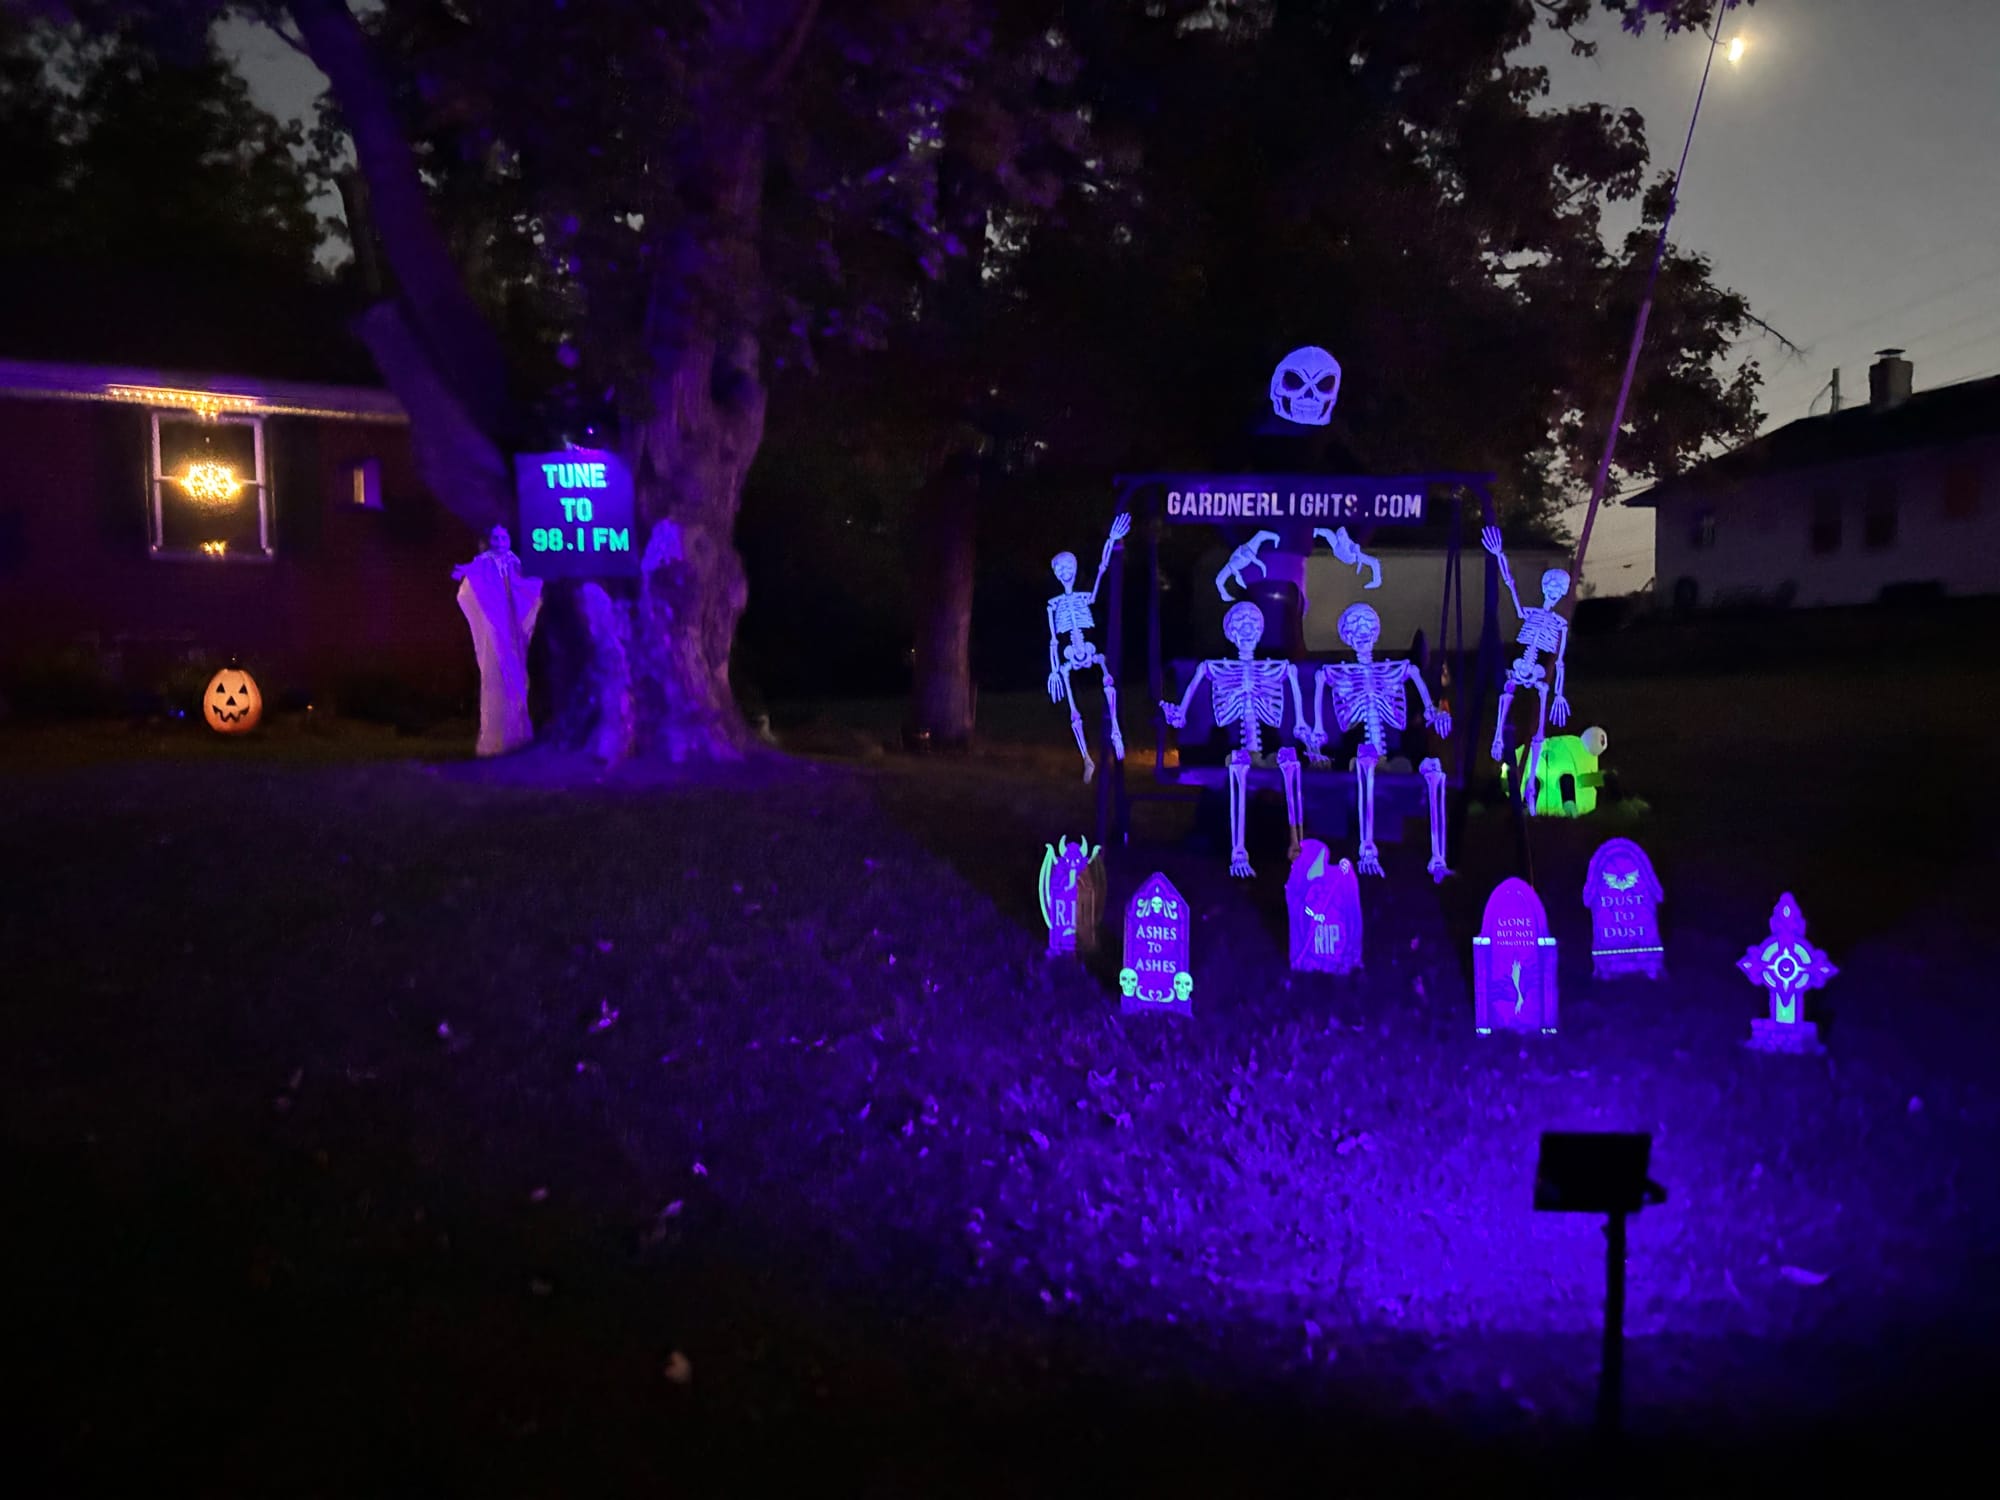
column 1888, row 380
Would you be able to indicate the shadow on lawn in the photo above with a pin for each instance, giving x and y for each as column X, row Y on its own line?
column 406, row 1357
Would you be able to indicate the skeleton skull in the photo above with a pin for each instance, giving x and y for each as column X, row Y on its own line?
column 1555, row 584
column 1243, row 626
column 1128, row 982
column 1183, row 986
column 1064, row 564
column 1360, row 628
column 497, row 540
column 1305, row 385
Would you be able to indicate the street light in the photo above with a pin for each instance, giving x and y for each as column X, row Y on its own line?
column 1737, row 46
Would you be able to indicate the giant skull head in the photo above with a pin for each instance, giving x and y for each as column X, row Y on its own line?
column 1305, row 385
column 1243, row 627
column 1360, row 628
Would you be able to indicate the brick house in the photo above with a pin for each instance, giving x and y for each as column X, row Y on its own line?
column 1898, row 496
column 158, row 520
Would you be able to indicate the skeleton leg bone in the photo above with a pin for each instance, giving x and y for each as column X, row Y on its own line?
column 1076, row 726
column 1370, row 862
column 1500, row 722
column 1433, row 774
column 1288, row 768
column 1239, row 787
column 1531, row 783
column 1111, row 708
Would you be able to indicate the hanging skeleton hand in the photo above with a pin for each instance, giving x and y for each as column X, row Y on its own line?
column 1559, row 711
column 1347, row 551
column 1176, row 714
column 1490, row 540
column 1439, row 718
column 1315, row 742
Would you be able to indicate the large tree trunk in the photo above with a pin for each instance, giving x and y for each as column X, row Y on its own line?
column 941, row 699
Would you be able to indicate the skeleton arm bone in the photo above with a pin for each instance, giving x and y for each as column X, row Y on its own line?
column 1055, row 674
column 1177, row 713
column 1314, row 738
column 1438, row 718
column 1120, row 524
column 1559, row 709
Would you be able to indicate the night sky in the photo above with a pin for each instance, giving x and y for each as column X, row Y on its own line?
column 1844, row 177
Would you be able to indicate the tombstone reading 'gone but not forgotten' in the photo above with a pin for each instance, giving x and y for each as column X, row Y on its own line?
column 1514, row 963
column 1156, row 976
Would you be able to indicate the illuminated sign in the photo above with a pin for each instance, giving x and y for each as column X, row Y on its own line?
column 576, row 514
column 1394, row 500
column 210, row 484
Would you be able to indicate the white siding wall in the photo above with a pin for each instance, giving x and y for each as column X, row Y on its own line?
column 1763, row 532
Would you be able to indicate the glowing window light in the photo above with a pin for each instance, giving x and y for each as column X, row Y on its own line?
column 215, row 549
column 210, row 484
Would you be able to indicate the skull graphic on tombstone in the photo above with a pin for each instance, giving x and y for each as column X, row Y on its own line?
column 1305, row 385
column 1128, row 982
column 1183, row 986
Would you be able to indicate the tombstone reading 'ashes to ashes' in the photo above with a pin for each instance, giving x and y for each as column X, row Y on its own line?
column 1156, row 976
column 1514, row 963
column 1623, row 895
column 1323, row 903
column 1072, row 895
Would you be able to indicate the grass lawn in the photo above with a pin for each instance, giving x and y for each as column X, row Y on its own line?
column 380, row 1122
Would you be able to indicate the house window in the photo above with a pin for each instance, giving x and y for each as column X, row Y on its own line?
column 1825, row 523
column 209, row 488
column 364, row 484
column 1702, row 536
column 1961, row 491
column 1878, row 518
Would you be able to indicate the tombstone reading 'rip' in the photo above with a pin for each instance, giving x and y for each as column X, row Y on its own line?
column 1323, row 899
column 1623, row 895
column 1072, row 895
column 1514, row 963
column 1156, row 976
column 1786, row 965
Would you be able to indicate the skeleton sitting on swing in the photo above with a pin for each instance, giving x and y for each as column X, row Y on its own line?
column 1251, row 693
column 1371, row 694
column 1541, row 630
column 1069, row 613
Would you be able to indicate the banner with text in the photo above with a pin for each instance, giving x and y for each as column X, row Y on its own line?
column 576, row 516
column 1329, row 499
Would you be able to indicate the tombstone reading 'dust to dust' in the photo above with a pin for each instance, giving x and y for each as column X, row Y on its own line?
column 1514, row 963
column 1156, row 976
column 1323, row 901
column 1072, row 895
column 1786, row 965
column 1623, row 895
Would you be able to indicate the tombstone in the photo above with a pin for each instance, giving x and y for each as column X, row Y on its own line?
column 1623, row 895
column 1324, row 902
column 1786, row 966
column 1514, row 963
column 1072, row 896
column 1156, row 976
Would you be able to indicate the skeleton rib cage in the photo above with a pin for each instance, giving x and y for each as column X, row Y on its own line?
column 1072, row 614
column 1372, row 695
column 1251, row 693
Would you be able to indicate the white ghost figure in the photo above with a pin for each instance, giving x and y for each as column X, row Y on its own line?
column 1305, row 385
column 500, row 603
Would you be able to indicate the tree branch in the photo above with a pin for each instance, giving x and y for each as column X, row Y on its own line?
column 461, row 345
column 788, row 54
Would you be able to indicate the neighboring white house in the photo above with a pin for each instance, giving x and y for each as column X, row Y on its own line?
column 1899, row 493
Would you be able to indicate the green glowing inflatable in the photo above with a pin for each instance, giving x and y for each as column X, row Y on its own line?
column 1566, row 785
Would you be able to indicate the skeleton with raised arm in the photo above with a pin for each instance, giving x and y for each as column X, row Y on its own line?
column 1371, row 693
column 1243, row 557
column 1069, row 614
column 1250, row 693
column 1542, row 630
column 1349, row 552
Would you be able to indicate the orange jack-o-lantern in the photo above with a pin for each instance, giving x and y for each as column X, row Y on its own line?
column 232, row 704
